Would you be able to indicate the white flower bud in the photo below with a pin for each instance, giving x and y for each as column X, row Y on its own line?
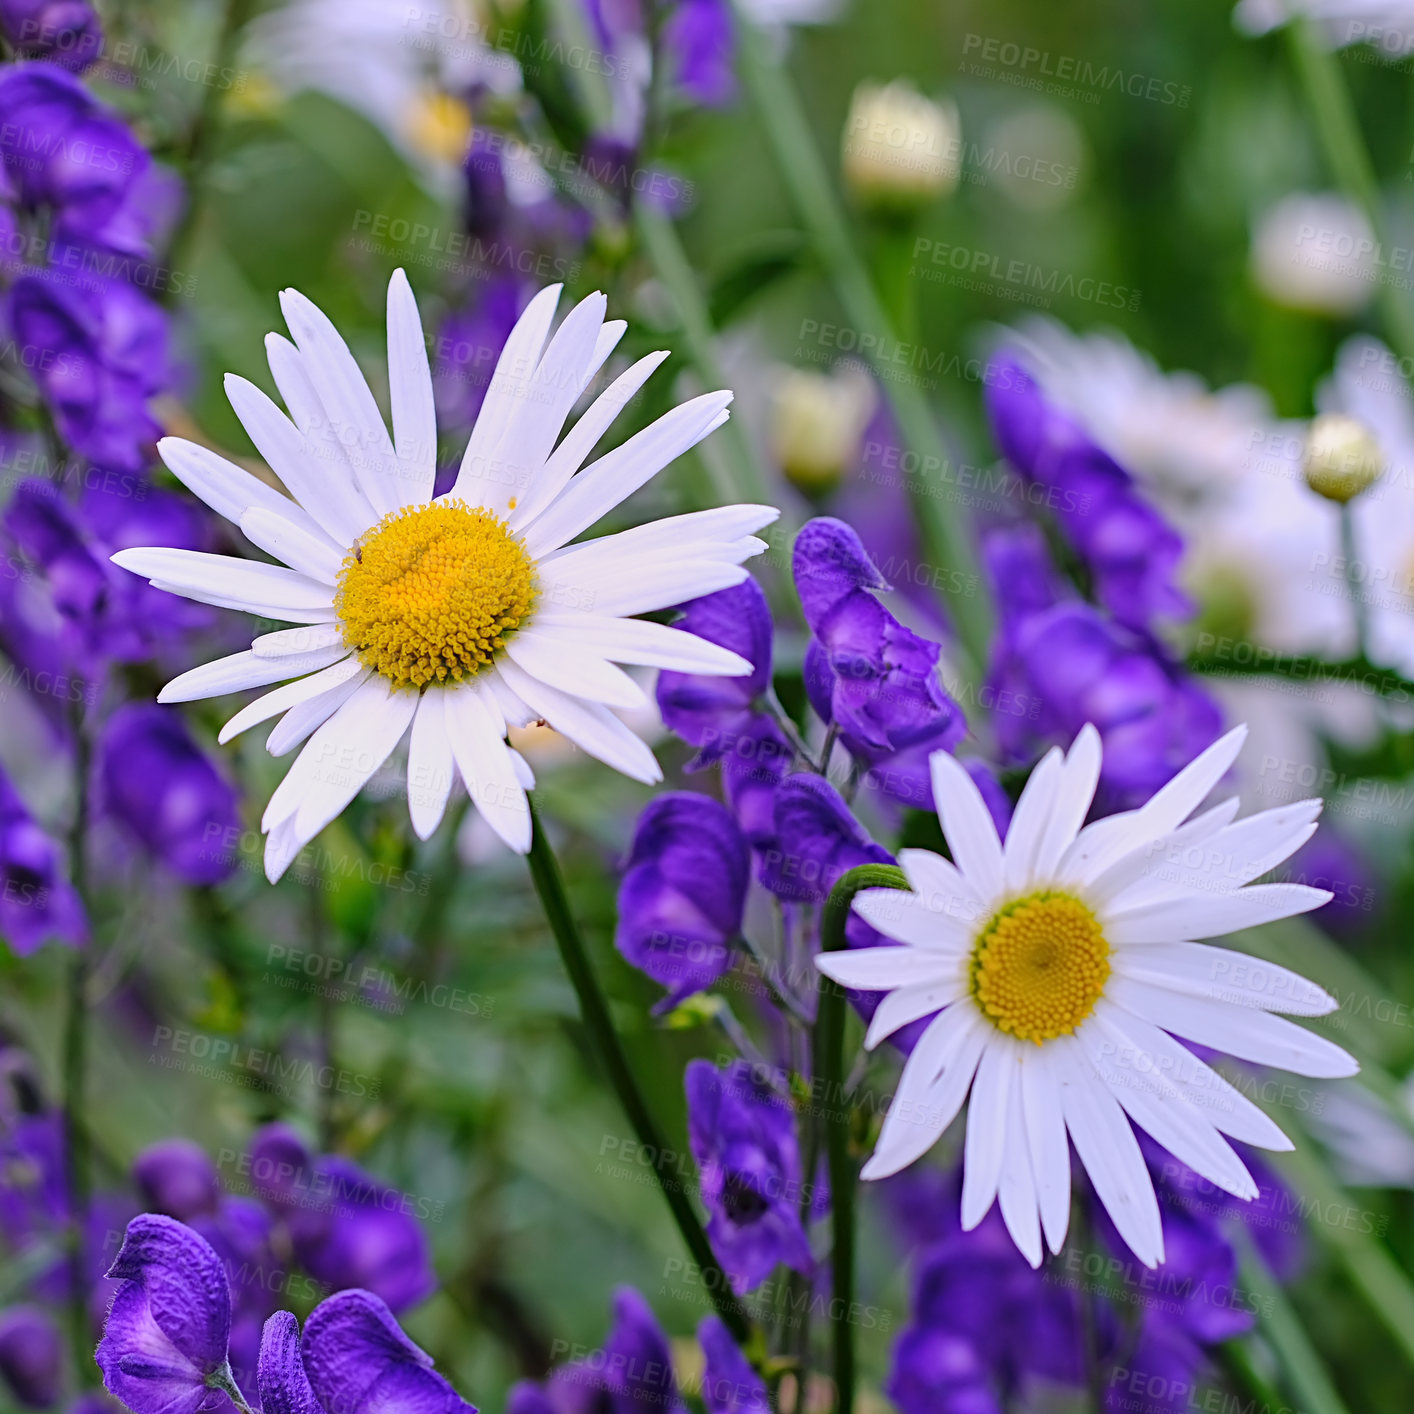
column 900, row 150
column 1342, row 457
column 816, row 422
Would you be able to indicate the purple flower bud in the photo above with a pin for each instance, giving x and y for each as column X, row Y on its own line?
column 36, row 902
column 361, row 1234
column 638, row 1364
column 874, row 679
column 177, row 1177
column 359, row 1362
column 31, row 1356
column 743, row 1138
column 65, row 32
column 729, row 1384
column 158, row 784
column 167, row 1330
column 281, row 1168
column 106, row 354
column 699, row 41
column 281, row 1382
column 817, row 840
column 682, row 898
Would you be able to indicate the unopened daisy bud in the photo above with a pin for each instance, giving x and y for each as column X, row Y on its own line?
column 900, row 150
column 1342, row 457
column 817, row 420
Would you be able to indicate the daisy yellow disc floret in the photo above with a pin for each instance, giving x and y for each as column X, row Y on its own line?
column 446, row 620
column 1062, row 974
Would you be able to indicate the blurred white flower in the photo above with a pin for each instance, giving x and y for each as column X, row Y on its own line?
column 1314, row 251
column 1372, row 1144
column 1385, row 25
column 405, row 68
column 900, row 150
column 817, row 420
column 1036, row 155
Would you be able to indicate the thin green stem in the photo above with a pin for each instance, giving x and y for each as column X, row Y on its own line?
column 829, row 1056
column 1242, row 659
column 1350, row 569
column 749, row 480
column 807, row 182
column 1305, row 1372
column 1236, row 1360
column 1347, row 157
column 594, row 1009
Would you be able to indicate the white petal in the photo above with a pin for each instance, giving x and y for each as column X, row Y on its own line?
column 314, row 473
column 881, row 969
column 641, row 589
column 1224, row 975
column 348, row 404
column 1141, row 864
column 986, row 1131
column 240, row 671
column 573, row 669
column 941, row 884
column 909, row 1004
column 1159, row 1108
column 279, row 536
column 591, row 727
column 301, row 719
column 619, row 473
column 410, row 394
column 1074, row 795
column 1016, row 1188
column 431, row 765
column 197, row 575
column 1254, row 1036
column 967, row 826
column 282, row 847
column 908, row 918
column 1030, row 822
column 1050, row 1151
column 582, row 438
column 291, row 695
column 293, row 641
column 228, row 489
column 514, row 369
column 486, row 766
column 930, row 1092
column 1109, row 1151
column 1210, row 915
column 641, row 642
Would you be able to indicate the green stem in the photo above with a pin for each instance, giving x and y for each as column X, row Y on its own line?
column 1359, row 610
column 807, row 182
column 1236, row 1360
column 1301, row 667
column 748, row 481
column 594, row 1008
column 1347, row 157
column 1310, row 1383
column 829, row 1056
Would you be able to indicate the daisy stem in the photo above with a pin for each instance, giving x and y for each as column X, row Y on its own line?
column 807, row 182
column 1347, row 156
column 594, row 1009
column 829, row 1057
column 1352, row 570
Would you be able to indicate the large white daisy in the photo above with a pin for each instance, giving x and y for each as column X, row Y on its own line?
column 1063, row 966
column 458, row 616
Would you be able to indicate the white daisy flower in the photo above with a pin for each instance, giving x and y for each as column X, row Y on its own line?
column 1065, row 965
column 455, row 617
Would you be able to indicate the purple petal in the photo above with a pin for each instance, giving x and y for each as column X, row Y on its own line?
column 281, row 1381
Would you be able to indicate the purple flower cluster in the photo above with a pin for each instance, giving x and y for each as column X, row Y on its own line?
column 167, row 1340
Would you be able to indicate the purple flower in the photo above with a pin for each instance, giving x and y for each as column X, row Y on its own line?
column 280, row 1167
column 159, row 785
column 470, row 342
column 176, row 1177
column 164, row 1345
column 713, row 713
column 681, row 900
column 361, row 1235
column 743, row 1138
column 65, row 32
column 31, row 1356
column 36, row 902
column 241, row 1234
column 63, row 150
column 105, row 349
column 817, row 840
column 867, row 674
column 281, row 1383
column 729, row 1384
column 699, row 38
column 1131, row 552
column 359, row 1362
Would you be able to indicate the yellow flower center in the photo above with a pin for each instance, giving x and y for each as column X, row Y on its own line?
column 431, row 593
column 1039, row 966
